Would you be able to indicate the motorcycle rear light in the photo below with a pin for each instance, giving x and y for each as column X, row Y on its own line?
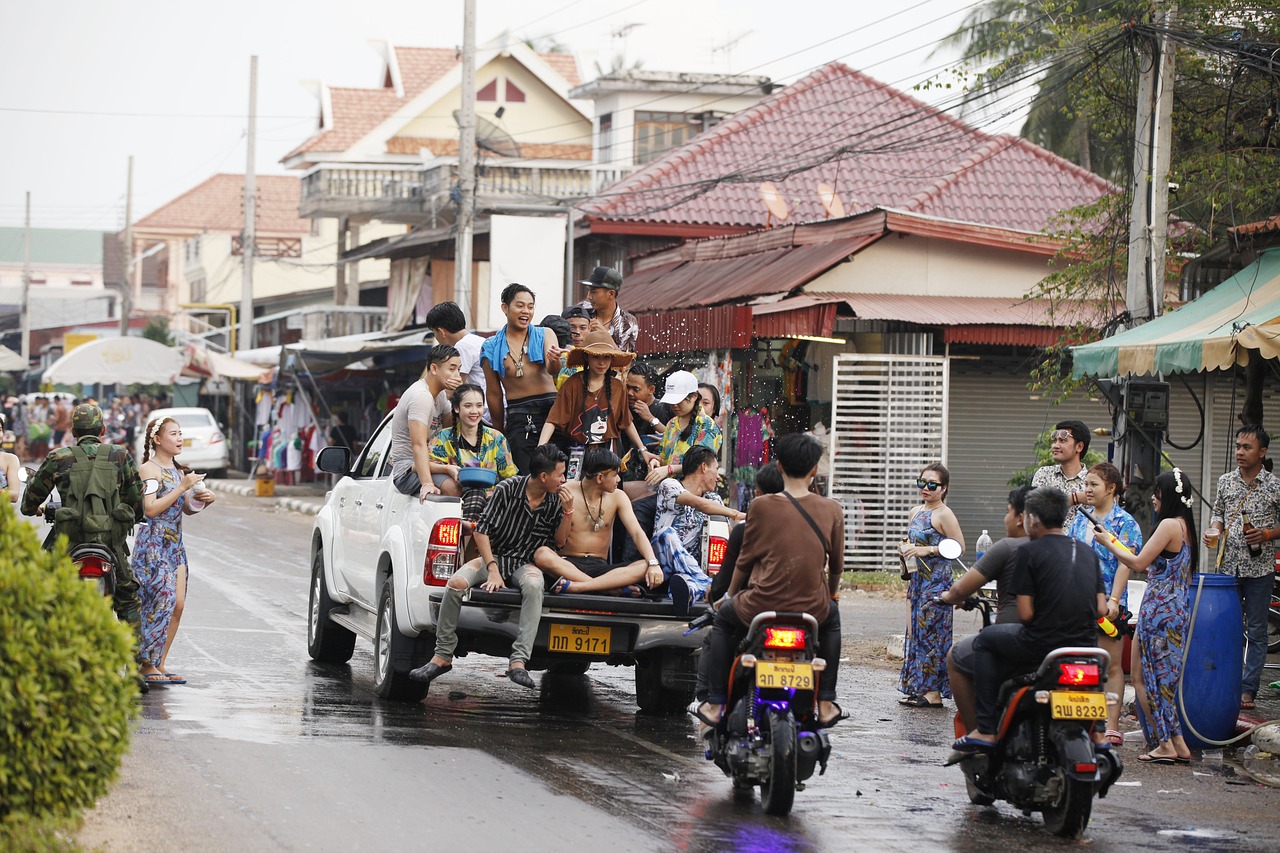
column 784, row 638
column 716, row 547
column 1078, row 674
column 92, row 567
column 442, row 552
column 1086, row 768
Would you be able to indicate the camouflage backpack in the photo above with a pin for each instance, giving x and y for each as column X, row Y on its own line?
column 91, row 508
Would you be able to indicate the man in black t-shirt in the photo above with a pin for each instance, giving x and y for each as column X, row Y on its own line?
column 1060, row 597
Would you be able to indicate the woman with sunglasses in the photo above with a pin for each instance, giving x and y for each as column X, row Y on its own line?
column 1103, row 488
column 924, row 658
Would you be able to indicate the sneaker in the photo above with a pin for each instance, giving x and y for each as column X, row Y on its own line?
column 680, row 595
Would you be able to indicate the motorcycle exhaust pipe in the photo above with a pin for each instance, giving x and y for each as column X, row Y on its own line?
column 808, row 751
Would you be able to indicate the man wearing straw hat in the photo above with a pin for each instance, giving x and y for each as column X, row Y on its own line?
column 591, row 406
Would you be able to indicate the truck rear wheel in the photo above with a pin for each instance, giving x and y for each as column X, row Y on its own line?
column 651, row 695
column 388, row 645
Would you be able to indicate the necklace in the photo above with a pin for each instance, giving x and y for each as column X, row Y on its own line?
column 524, row 350
column 597, row 520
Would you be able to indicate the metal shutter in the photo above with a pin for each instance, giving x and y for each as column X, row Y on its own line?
column 889, row 419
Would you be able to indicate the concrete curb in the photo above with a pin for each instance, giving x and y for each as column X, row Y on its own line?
column 307, row 506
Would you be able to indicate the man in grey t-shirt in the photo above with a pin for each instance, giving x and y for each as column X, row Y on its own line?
column 997, row 565
column 423, row 409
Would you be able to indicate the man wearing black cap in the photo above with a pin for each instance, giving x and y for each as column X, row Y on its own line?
column 1070, row 443
column 56, row 471
column 602, row 304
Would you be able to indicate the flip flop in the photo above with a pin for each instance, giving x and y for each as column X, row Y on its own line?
column 695, row 709
column 841, row 714
column 918, row 702
column 1248, row 704
column 631, row 591
column 1148, row 758
column 1114, row 737
column 174, row 678
column 157, row 678
column 560, row 586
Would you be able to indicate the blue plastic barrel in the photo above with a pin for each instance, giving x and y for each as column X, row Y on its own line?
column 1211, row 680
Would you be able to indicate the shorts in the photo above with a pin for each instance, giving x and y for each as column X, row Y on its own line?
column 962, row 655
column 592, row 566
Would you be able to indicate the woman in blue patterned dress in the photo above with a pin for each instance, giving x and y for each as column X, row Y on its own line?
column 1103, row 487
column 1167, row 559
column 159, row 557
column 924, row 658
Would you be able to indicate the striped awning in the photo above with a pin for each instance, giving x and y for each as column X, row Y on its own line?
column 1213, row 332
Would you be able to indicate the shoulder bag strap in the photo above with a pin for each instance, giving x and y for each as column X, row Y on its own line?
column 826, row 549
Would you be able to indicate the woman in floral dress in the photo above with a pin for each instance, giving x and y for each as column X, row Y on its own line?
column 159, row 557
column 924, row 658
column 1156, row 666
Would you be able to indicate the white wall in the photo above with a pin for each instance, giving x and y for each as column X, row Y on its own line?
column 623, row 106
column 927, row 266
column 55, row 275
column 528, row 250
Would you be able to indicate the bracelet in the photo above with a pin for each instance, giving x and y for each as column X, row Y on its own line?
column 491, row 563
column 653, row 562
column 671, row 469
column 568, row 512
column 1114, row 599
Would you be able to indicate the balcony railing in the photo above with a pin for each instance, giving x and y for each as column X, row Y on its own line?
column 415, row 194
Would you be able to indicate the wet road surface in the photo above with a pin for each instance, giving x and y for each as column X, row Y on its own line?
column 265, row 750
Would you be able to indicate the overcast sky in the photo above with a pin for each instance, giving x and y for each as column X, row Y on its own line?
column 90, row 82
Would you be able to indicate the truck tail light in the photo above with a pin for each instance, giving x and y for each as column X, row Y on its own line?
column 716, row 546
column 784, row 638
column 1078, row 674
column 442, row 552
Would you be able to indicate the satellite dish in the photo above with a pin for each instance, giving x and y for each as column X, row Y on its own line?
column 831, row 201
column 774, row 202
column 491, row 137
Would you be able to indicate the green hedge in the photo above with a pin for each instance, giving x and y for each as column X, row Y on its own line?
column 67, row 681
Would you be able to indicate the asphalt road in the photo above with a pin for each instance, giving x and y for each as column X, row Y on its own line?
column 265, row 750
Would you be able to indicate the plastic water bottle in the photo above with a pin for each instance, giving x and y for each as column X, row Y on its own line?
column 984, row 544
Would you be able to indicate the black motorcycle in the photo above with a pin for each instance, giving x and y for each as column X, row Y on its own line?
column 95, row 563
column 770, row 734
column 1045, row 758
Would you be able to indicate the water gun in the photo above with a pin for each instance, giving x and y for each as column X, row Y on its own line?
column 1111, row 537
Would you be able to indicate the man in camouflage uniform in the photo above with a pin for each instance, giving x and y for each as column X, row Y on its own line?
column 87, row 427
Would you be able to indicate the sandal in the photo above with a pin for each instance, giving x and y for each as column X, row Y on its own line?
column 841, row 714
column 560, row 586
column 695, row 708
column 1152, row 758
column 1114, row 737
column 918, row 702
column 1247, row 704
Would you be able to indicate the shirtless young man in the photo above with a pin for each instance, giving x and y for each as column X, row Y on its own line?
column 582, row 564
column 521, row 362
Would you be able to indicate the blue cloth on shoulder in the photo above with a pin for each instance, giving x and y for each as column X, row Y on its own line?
column 494, row 349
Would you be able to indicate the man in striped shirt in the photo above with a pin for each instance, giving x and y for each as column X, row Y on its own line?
column 522, row 515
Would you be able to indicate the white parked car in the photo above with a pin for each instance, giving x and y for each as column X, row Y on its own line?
column 379, row 564
column 204, row 447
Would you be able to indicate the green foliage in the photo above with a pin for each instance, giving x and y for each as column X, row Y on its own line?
column 21, row 833
column 1044, row 456
column 157, row 329
column 69, row 681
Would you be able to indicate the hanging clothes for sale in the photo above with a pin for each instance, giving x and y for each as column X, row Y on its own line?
column 751, row 445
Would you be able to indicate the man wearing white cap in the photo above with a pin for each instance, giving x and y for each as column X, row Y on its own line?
column 602, row 304
column 689, row 427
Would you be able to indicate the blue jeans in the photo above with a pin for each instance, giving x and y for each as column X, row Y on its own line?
column 1255, row 601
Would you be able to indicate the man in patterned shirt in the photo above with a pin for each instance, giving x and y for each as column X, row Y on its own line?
column 602, row 304
column 1070, row 443
column 1250, row 490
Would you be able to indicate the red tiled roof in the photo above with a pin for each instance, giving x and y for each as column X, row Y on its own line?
column 218, row 205
column 1263, row 226
column 877, row 146
column 358, row 111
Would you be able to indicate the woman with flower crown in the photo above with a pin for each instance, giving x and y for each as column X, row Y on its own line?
column 159, row 558
column 1167, row 559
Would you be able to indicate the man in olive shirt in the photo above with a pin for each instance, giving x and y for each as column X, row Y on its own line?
column 792, row 567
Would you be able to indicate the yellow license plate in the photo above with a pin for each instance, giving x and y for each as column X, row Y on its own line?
column 1077, row 706
column 186, row 442
column 579, row 639
column 795, row 675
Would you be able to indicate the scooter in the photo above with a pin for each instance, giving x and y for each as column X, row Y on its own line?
column 770, row 734
column 1045, row 758
column 94, row 563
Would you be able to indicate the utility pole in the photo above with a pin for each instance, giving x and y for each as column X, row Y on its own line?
column 247, row 238
column 466, row 164
column 25, row 308
column 126, row 292
column 1152, row 139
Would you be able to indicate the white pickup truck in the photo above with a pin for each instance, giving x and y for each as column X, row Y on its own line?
column 379, row 564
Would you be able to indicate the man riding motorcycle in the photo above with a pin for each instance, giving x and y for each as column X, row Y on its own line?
column 1060, row 597
column 71, row 470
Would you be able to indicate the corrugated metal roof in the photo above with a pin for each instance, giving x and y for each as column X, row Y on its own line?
column 877, row 146
column 736, row 279
column 816, row 319
column 724, row 327
column 928, row 310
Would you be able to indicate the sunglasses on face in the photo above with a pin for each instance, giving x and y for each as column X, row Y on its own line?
column 926, row 484
column 1064, row 435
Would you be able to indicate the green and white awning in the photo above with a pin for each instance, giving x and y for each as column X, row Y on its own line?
column 1213, row 332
